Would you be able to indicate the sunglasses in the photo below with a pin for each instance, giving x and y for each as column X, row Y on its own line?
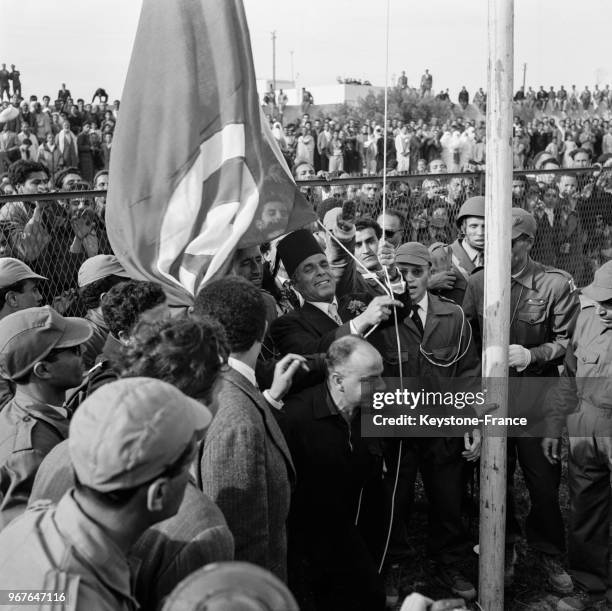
column 389, row 233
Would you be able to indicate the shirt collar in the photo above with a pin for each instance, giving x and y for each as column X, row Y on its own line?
column 95, row 547
column 327, row 408
column 324, row 305
column 243, row 369
column 472, row 252
column 525, row 276
column 55, row 415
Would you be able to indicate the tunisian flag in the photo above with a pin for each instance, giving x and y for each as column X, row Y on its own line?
column 195, row 172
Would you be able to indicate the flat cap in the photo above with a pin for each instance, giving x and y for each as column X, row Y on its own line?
column 14, row 270
column 601, row 287
column 413, row 253
column 28, row 336
column 523, row 222
column 130, row 431
column 98, row 267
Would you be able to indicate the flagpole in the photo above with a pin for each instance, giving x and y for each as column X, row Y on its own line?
column 496, row 313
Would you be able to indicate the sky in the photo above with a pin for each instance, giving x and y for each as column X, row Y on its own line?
column 87, row 44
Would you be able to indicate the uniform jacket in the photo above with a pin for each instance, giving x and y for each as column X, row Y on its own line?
column 29, row 430
column 462, row 267
column 543, row 304
column 60, row 548
column 587, row 373
column 246, row 469
column 447, row 335
column 167, row 551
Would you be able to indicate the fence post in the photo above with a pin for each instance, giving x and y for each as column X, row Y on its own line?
column 496, row 313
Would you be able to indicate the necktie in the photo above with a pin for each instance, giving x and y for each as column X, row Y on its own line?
column 332, row 310
column 416, row 319
column 479, row 259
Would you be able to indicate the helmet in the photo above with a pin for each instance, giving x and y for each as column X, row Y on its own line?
column 475, row 206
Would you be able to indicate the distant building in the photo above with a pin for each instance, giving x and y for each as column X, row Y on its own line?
column 323, row 95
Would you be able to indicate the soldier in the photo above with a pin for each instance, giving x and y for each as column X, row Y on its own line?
column 467, row 252
column 131, row 445
column 18, row 291
column 542, row 305
column 97, row 275
column 584, row 397
column 39, row 352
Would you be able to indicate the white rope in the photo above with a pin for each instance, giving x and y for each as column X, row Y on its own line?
column 388, row 281
column 384, row 183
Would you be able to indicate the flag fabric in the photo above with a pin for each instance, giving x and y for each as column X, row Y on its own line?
column 195, row 172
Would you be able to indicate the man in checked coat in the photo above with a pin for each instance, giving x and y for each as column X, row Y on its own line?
column 244, row 464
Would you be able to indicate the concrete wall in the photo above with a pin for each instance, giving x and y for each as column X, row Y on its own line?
column 322, row 94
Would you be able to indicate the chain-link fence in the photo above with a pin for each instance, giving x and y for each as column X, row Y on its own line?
column 54, row 236
column 573, row 209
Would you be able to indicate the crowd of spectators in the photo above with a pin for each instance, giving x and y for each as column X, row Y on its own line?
column 60, row 133
column 573, row 208
column 355, row 148
column 283, row 478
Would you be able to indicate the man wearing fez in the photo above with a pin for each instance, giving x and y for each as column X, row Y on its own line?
column 319, row 321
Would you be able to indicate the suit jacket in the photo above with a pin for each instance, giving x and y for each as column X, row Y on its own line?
column 333, row 461
column 307, row 330
column 339, row 518
column 246, row 468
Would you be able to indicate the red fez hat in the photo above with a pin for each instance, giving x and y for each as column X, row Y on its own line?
column 297, row 247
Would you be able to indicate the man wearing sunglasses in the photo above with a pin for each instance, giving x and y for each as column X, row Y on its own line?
column 436, row 347
column 392, row 223
column 40, row 353
column 543, row 304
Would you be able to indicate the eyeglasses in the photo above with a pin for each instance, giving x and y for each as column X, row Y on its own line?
column 414, row 270
column 390, row 233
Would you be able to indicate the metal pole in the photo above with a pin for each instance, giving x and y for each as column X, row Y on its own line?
column 498, row 203
column 524, row 75
column 274, row 61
